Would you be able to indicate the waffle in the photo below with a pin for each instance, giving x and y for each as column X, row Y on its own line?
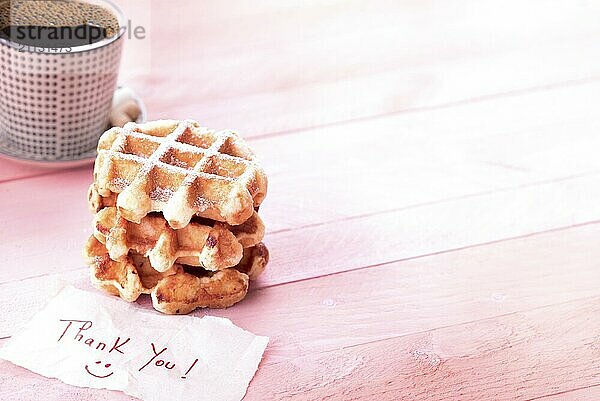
column 180, row 169
column 254, row 261
column 214, row 247
column 97, row 202
column 182, row 293
column 122, row 278
column 249, row 233
column 179, row 290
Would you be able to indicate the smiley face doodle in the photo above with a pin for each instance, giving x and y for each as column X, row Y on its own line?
column 87, row 369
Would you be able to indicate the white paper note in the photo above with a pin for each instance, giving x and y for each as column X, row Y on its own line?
column 91, row 340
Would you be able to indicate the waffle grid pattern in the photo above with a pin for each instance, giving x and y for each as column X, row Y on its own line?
column 181, row 169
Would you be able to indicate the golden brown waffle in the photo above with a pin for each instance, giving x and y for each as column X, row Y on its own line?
column 254, row 261
column 123, row 278
column 181, row 170
column 213, row 246
column 179, row 290
column 97, row 202
column 249, row 233
column 182, row 293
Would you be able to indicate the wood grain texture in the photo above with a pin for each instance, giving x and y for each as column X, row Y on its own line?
column 339, row 246
column 299, row 64
column 406, row 297
column 405, row 160
column 432, row 216
column 587, row 393
column 385, row 204
column 412, row 298
column 11, row 170
column 449, row 152
column 517, row 356
column 306, row 61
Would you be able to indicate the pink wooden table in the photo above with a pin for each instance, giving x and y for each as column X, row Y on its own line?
column 433, row 210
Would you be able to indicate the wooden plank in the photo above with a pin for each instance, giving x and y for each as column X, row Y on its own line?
column 389, row 163
column 320, row 44
column 403, row 234
column 417, row 161
column 411, row 298
column 402, row 90
column 322, row 104
column 448, row 152
column 504, row 358
column 335, row 247
column 513, row 357
column 588, row 393
column 261, row 86
column 11, row 170
column 32, row 385
column 391, row 61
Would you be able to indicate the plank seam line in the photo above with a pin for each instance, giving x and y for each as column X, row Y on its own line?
column 448, row 326
column 482, row 98
column 41, row 174
column 440, row 201
column 421, row 332
column 563, row 392
column 444, row 251
column 458, row 249
column 475, row 99
column 59, row 273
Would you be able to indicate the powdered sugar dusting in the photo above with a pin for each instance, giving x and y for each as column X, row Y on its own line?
column 161, row 194
column 202, row 204
column 181, row 153
column 172, row 160
column 119, row 183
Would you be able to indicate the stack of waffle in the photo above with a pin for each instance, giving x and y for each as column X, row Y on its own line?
column 176, row 216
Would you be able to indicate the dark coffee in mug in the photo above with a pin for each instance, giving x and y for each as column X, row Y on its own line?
column 55, row 23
